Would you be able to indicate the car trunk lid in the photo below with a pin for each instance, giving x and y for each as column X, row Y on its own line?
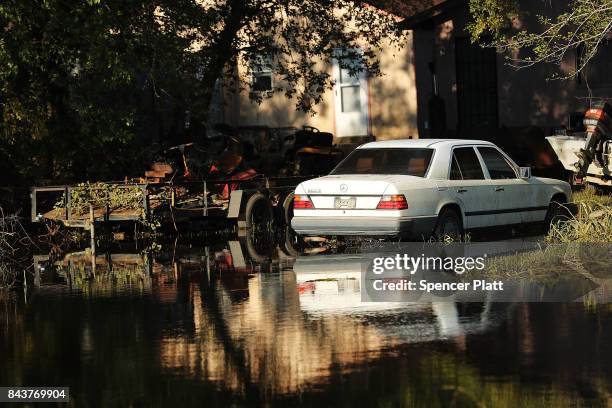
column 346, row 192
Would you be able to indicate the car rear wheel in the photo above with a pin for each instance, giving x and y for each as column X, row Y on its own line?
column 449, row 225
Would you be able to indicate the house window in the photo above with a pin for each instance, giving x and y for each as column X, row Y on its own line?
column 261, row 73
column 348, row 82
column 351, row 99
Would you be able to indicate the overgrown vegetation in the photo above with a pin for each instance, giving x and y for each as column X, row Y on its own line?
column 102, row 195
column 592, row 223
column 14, row 253
column 548, row 264
column 109, row 197
column 589, row 194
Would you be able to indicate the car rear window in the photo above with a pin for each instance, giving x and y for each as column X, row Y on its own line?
column 411, row 162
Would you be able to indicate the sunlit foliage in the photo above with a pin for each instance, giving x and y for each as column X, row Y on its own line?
column 88, row 87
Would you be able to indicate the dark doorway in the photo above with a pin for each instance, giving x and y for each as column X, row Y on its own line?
column 476, row 89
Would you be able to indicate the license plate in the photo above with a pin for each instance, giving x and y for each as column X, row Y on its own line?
column 344, row 202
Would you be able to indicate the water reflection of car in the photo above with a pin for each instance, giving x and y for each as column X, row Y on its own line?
column 416, row 188
column 331, row 285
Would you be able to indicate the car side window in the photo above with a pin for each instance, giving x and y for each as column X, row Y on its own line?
column 467, row 163
column 455, row 171
column 496, row 163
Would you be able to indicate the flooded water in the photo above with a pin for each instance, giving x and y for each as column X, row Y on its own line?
column 226, row 324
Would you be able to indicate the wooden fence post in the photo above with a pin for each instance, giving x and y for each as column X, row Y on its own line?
column 92, row 236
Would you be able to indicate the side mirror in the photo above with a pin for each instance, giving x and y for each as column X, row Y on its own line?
column 525, row 172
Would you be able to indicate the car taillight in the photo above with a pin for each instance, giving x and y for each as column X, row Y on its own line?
column 392, row 202
column 301, row 202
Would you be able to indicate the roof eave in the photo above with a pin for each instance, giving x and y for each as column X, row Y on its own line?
column 417, row 20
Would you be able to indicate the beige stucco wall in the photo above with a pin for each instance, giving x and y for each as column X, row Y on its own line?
column 280, row 111
column 392, row 101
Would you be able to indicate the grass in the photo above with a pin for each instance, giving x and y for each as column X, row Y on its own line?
column 550, row 264
column 589, row 194
column 543, row 264
column 592, row 223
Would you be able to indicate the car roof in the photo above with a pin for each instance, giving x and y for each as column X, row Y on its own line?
column 422, row 143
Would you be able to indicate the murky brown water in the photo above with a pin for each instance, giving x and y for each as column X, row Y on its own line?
column 221, row 325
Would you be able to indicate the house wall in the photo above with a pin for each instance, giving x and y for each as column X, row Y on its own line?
column 392, row 101
column 435, row 46
column 279, row 111
column 526, row 97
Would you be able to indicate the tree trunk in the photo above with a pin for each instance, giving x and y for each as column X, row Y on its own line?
column 222, row 51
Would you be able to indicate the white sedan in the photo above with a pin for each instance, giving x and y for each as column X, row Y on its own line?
column 423, row 187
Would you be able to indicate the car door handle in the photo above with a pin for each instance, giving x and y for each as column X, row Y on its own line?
column 461, row 190
column 499, row 189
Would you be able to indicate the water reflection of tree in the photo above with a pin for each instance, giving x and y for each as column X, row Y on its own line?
column 263, row 344
column 263, row 347
column 198, row 343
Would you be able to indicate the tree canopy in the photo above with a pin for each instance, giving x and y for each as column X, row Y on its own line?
column 87, row 85
column 585, row 27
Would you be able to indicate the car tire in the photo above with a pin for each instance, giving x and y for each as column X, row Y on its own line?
column 260, row 245
column 556, row 213
column 602, row 190
column 292, row 244
column 449, row 224
column 258, row 210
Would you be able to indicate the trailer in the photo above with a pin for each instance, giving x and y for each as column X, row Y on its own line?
column 567, row 148
column 245, row 202
column 219, row 179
